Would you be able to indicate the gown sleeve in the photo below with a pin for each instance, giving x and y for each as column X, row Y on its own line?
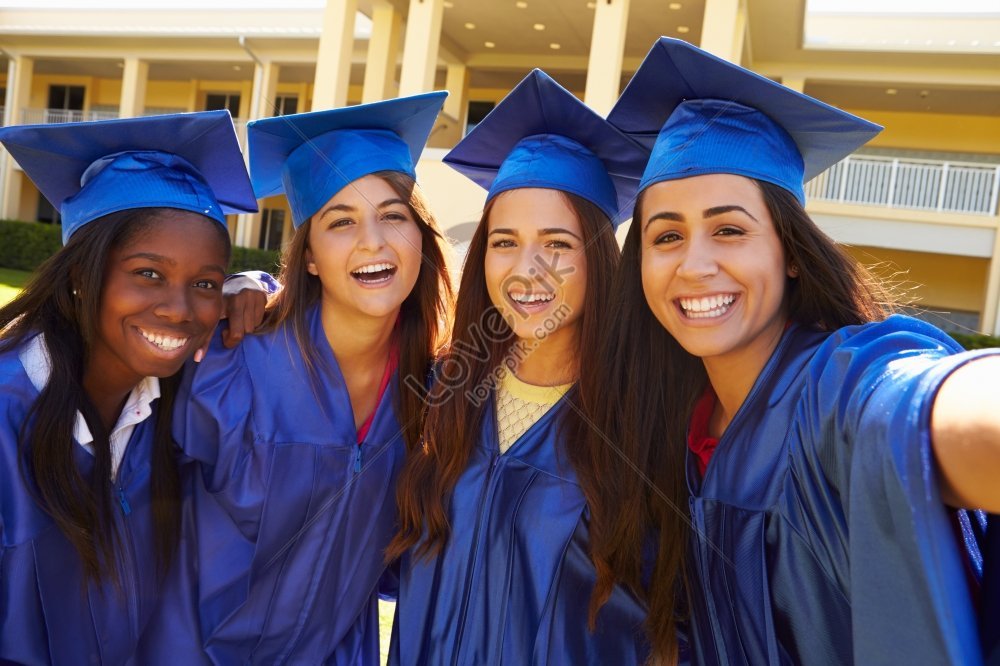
column 258, row 280
column 871, row 393
column 213, row 425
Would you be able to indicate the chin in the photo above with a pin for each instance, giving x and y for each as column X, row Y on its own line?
column 382, row 309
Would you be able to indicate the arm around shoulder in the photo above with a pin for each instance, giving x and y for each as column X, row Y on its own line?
column 965, row 434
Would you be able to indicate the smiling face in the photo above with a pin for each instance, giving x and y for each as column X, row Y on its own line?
column 365, row 247
column 713, row 268
column 160, row 300
column 536, row 268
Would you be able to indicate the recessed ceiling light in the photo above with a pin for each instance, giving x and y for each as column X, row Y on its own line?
column 539, row 26
column 521, row 5
column 470, row 26
column 489, row 45
column 891, row 91
column 554, row 46
column 683, row 29
column 591, row 5
column 674, row 5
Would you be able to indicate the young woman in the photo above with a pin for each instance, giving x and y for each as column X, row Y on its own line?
column 298, row 432
column 89, row 357
column 493, row 509
column 822, row 440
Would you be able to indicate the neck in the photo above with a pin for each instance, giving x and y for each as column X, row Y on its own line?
column 732, row 378
column 360, row 344
column 551, row 362
column 106, row 396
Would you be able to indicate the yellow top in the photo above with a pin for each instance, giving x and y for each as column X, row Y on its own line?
column 520, row 405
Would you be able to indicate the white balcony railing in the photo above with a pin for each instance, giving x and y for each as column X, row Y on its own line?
column 47, row 116
column 956, row 187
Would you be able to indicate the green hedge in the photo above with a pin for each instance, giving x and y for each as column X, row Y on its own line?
column 976, row 340
column 253, row 259
column 25, row 245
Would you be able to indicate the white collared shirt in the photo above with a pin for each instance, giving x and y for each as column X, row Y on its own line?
column 35, row 359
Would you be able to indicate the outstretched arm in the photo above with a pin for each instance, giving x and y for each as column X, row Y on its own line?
column 965, row 434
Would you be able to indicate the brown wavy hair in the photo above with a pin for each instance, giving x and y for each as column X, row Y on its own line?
column 62, row 302
column 640, row 439
column 481, row 341
column 425, row 315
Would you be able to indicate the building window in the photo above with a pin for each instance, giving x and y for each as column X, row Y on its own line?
column 478, row 111
column 47, row 213
column 272, row 226
column 69, row 98
column 285, row 105
column 218, row 101
column 65, row 104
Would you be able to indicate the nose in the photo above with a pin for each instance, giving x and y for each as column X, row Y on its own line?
column 698, row 260
column 372, row 233
column 175, row 304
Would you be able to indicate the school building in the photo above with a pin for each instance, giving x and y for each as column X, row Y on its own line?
column 920, row 200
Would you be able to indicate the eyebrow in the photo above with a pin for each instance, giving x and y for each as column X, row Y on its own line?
column 150, row 256
column 159, row 258
column 722, row 210
column 350, row 209
column 548, row 231
column 707, row 213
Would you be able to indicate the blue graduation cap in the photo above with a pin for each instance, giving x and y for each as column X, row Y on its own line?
column 312, row 156
column 699, row 114
column 541, row 135
column 190, row 161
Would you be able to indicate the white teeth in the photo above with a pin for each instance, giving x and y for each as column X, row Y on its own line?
column 707, row 306
column 373, row 268
column 164, row 342
column 531, row 298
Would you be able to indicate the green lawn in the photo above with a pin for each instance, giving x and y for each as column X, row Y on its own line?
column 11, row 282
column 386, row 610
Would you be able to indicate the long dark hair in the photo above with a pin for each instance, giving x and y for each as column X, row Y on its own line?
column 425, row 315
column 639, row 439
column 481, row 341
column 62, row 302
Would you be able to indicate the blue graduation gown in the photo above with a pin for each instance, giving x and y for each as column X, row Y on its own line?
column 47, row 615
column 819, row 535
column 288, row 516
column 513, row 583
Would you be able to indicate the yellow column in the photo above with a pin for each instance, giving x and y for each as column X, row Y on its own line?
column 133, row 97
column 607, row 46
column 194, row 92
column 333, row 62
column 246, row 101
column 420, row 51
column 796, row 83
column 265, row 86
column 20, row 70
column 457, row 104
column 262, row 97
column 724, row 28
column 990, row 321
column 383, row 52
